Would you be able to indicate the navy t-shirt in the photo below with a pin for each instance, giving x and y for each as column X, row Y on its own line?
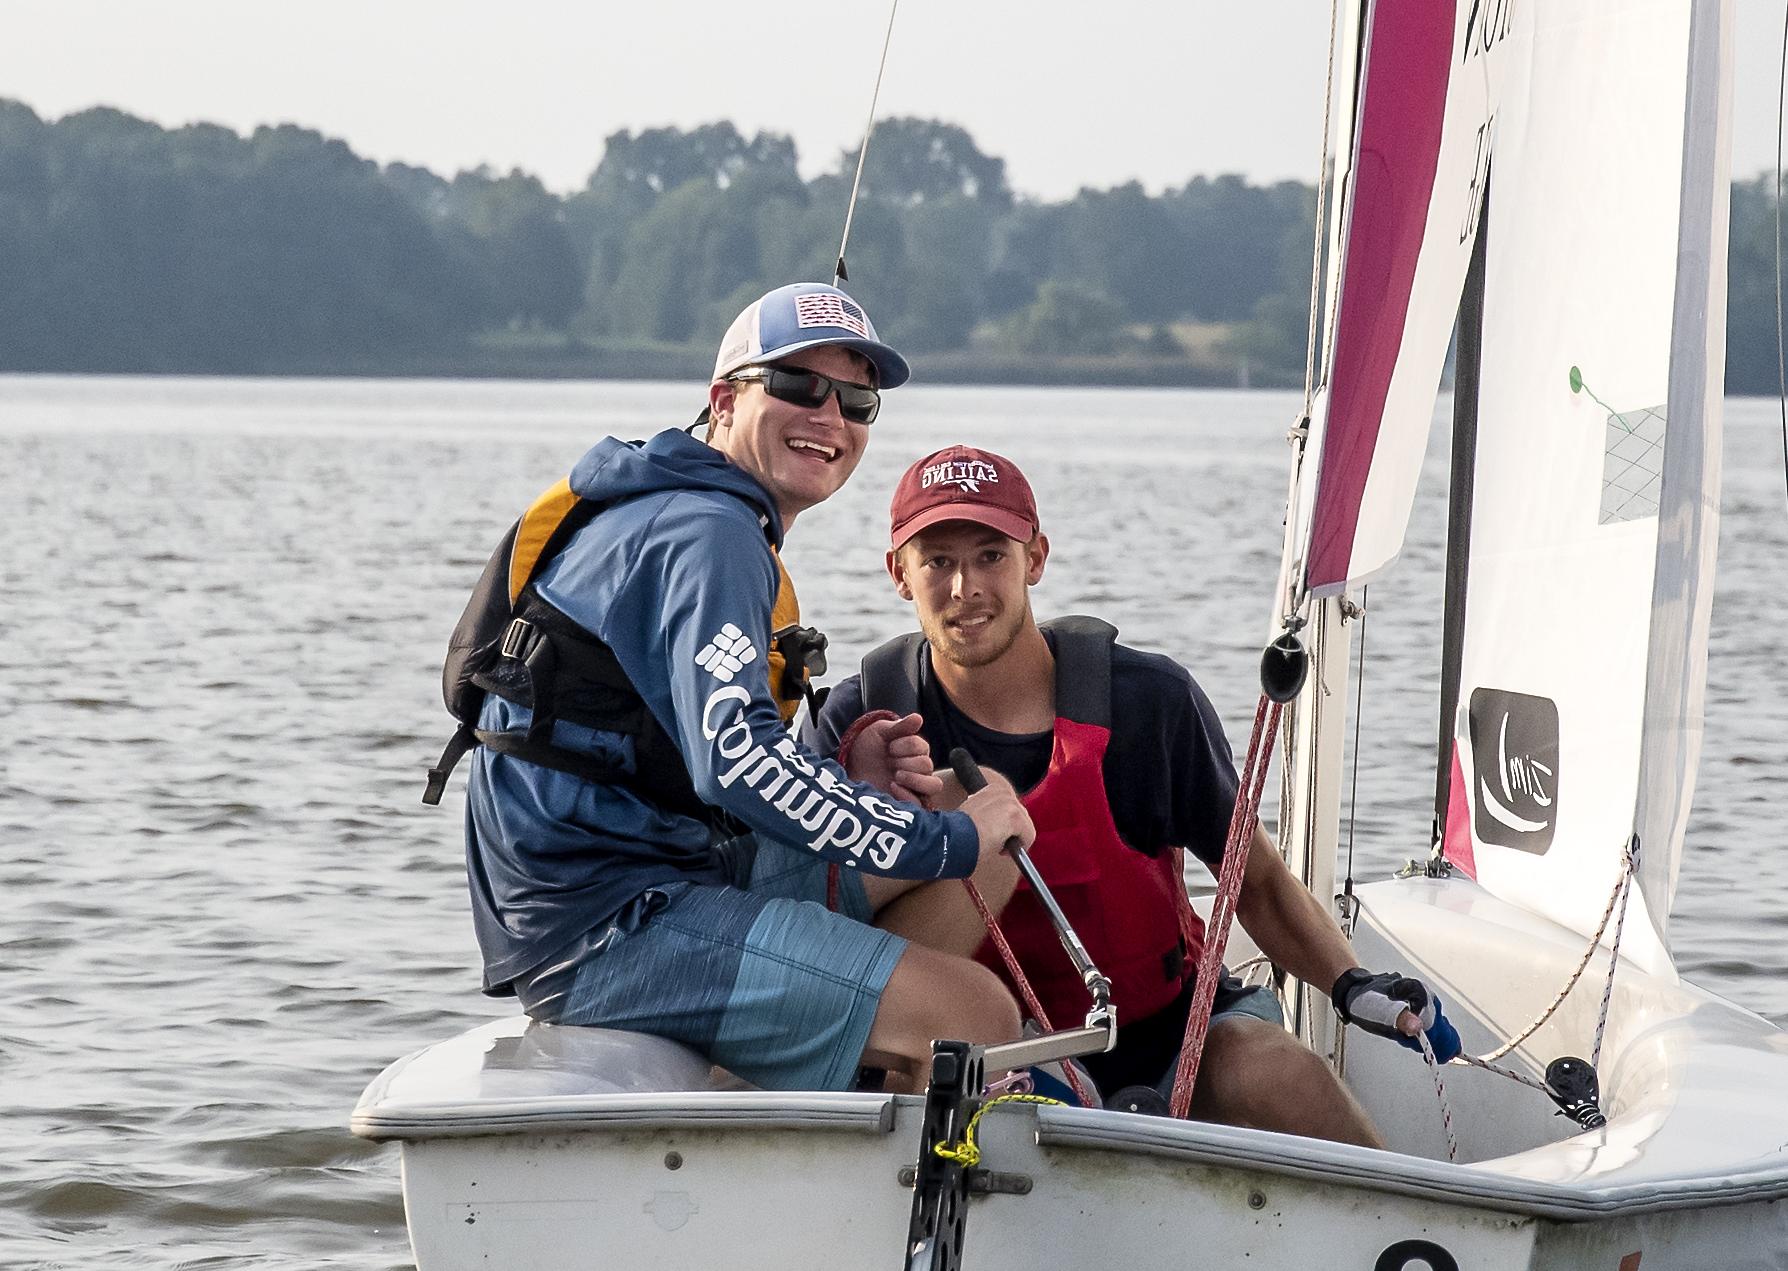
column 1169, row 773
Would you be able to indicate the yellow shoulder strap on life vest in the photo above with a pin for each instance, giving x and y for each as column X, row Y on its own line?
column 542, row 520
column 786, row 613
column 535, row 528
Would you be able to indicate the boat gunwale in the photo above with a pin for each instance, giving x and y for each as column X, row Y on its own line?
column 1414, row 1176
column 755, row 1109
column 1081, row 1129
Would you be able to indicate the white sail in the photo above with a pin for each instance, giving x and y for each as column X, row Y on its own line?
column 1597, row 127
column 1598, row 404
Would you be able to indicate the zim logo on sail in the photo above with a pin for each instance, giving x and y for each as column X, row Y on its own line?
column 1514, row 752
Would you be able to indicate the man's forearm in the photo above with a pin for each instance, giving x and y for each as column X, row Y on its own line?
column 1292, row 927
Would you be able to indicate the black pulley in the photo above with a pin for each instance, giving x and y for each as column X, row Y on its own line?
column 1573, row 1086
column 1283, row 667
column 1141, row 1100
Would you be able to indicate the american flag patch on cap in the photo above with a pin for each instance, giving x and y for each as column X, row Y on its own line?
column 822, row 309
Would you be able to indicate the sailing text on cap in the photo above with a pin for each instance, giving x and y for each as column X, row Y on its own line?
column 968, row 474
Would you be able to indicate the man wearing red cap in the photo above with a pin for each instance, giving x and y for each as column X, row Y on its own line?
column 1122, row 758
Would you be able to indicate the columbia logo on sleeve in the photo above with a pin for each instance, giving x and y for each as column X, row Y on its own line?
column 726, row 654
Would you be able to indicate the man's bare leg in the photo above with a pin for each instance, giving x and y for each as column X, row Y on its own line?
column 940, row 915
column 1258, row 1075
column 934, row 995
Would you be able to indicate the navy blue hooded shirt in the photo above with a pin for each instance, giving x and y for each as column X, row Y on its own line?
column 678, row 570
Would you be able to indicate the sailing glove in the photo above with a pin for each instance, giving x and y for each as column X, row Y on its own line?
column 1375, row 1002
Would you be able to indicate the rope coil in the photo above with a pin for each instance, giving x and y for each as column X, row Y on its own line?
column 966, row 1152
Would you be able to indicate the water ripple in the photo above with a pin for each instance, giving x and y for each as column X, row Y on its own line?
column 229, row 910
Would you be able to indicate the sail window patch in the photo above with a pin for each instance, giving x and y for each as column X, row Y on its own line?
column 1633, row 465
column 1632, row 459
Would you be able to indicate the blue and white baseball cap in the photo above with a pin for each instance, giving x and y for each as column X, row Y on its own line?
column 804, row 315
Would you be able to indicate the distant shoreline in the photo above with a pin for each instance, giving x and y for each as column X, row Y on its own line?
column 596, row 364
column 571, row 359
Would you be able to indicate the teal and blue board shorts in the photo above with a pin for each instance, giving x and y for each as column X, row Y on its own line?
column 761, row 977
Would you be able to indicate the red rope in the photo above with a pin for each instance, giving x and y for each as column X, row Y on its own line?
column 1229, row 888
column 1031, row 1002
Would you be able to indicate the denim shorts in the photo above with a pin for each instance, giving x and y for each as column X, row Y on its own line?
column 759, row 977
column 1234, row 998
column 1148, row 1049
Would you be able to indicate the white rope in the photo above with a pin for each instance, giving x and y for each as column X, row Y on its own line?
column 1440, row 1092
column 1620, row 889
column 1530, row 1082
column 850, row 210
column 1620, row 924
column 1252, row 964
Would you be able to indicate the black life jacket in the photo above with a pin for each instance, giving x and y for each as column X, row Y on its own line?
column 510, row 641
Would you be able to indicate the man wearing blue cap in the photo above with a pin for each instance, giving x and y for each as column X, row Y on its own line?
column 637, row 804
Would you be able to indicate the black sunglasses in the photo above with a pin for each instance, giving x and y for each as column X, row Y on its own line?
column 809, row 389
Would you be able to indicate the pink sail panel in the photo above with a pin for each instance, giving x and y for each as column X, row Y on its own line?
column 1456, row 842
column 1408, row 59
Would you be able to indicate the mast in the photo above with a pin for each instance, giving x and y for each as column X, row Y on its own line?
column 1314, row 733
column 1397, row 259
column 1315, row 723
column 1468, row 361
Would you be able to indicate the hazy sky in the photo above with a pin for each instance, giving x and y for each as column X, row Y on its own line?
column 1068, row 92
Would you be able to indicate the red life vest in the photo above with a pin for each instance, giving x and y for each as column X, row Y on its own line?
column 1125, row 906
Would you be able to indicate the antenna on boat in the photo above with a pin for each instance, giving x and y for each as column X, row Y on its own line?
column 839, row 273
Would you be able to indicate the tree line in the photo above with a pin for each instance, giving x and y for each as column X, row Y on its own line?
column 125, row 246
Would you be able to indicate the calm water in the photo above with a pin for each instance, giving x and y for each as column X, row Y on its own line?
column 224, row 908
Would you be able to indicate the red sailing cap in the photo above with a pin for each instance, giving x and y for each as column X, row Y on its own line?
column 961, row 483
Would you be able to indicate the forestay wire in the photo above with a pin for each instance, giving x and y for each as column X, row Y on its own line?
column 1292, row 599
column 1322, row 181
column 1781, row 361
column 1353, row 798
column 839, row 272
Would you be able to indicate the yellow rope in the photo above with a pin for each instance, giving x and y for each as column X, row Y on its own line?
column 967, row 1153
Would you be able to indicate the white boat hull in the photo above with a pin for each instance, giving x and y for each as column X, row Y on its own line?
column 531, row 1146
